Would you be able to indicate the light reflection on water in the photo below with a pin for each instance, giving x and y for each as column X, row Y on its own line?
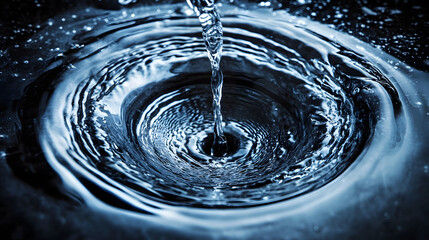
column 332, row 139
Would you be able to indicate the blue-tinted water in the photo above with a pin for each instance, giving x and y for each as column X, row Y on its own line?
column 213, row 38
column 319, row 125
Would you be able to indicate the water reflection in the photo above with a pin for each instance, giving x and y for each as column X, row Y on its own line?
column 72, row 104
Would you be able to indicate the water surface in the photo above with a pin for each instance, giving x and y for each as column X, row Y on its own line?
column 323, row 129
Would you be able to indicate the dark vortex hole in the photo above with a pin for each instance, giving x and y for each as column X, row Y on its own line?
column 232, row 145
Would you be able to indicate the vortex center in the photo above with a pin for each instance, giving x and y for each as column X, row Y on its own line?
column 231, row 146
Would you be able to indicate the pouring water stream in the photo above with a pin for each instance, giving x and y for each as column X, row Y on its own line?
column 213, row 39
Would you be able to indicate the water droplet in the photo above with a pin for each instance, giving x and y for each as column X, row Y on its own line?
column 188, row 11
column 87, row 28
column 71, row 66
column 126, row 2
column 302, row 2
column 265, row 4
column 369, row 11
column 302, row 22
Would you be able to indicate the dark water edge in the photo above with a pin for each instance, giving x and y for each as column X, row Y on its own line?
column 27, row 212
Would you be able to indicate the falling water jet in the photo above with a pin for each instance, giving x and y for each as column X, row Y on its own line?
column 213, row 39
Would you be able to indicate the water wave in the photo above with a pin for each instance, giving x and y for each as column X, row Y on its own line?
column 129, row 119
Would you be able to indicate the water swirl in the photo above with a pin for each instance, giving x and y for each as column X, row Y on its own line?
column 129, row 118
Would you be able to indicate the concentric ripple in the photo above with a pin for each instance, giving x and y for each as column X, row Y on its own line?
column 131, row 114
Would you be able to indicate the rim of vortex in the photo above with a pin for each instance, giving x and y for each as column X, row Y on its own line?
column 148, row 205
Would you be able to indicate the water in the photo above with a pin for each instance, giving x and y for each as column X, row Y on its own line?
column 143, row 118
column 212, row 33
column 319, row 126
